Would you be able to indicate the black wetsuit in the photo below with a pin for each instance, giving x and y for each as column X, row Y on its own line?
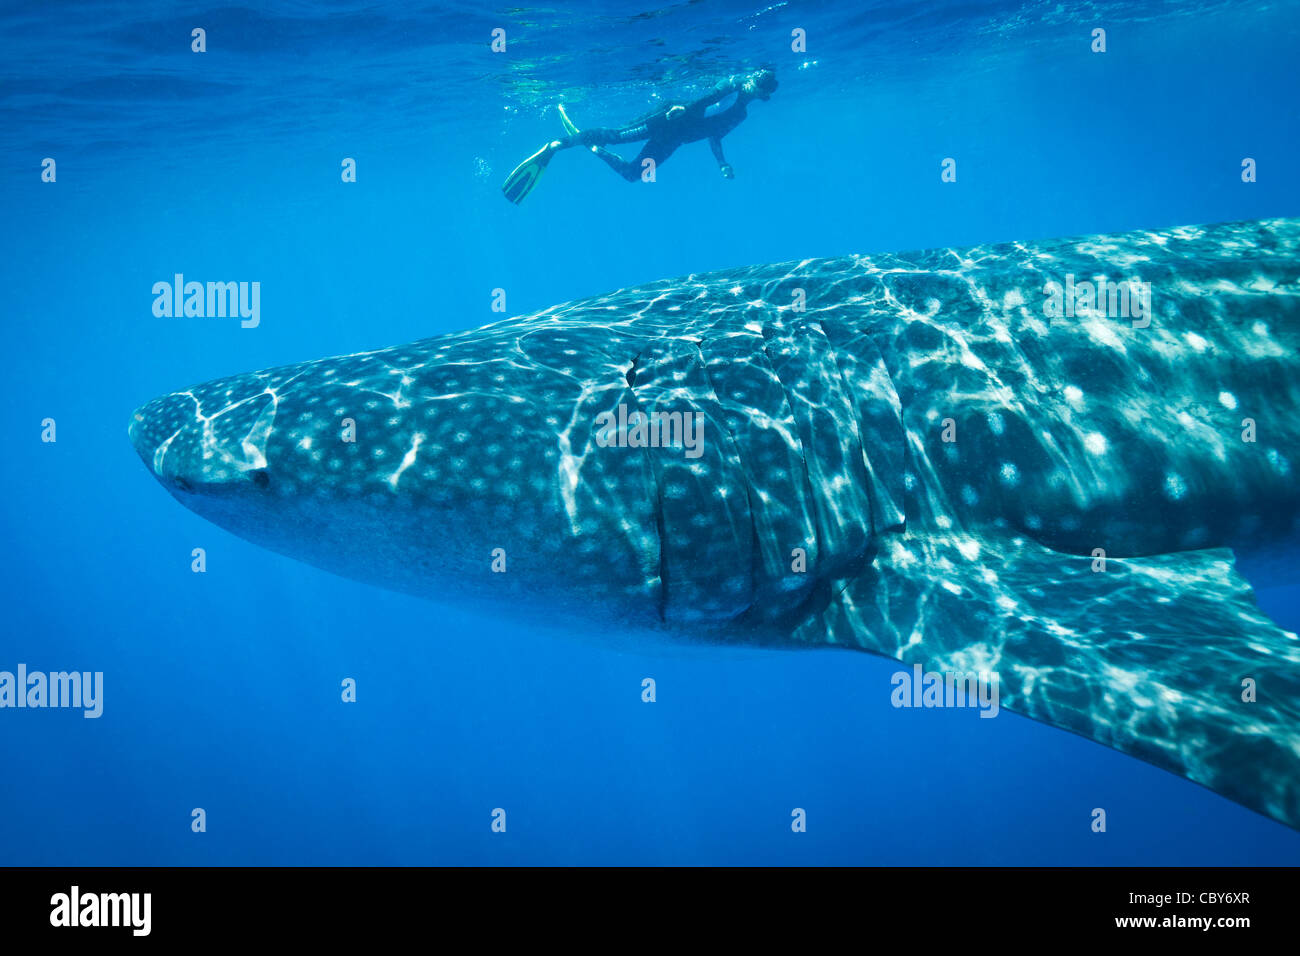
column 710, row 117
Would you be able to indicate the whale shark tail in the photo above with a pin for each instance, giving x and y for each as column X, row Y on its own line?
column 524, row 177
column 1166, row 658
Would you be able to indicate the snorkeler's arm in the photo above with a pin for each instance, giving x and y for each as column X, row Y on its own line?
column 715, row 144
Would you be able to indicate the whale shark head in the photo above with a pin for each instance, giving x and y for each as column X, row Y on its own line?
column 430, row 469
column 483, row 467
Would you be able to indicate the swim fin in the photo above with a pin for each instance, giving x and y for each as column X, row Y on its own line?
column 566, row 122
column 524, row 177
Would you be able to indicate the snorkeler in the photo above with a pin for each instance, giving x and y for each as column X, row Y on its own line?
column 710, row 117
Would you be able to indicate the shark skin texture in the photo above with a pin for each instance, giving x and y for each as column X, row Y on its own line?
column 916, row 455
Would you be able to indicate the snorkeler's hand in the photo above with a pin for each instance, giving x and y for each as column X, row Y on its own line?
column 727, row 171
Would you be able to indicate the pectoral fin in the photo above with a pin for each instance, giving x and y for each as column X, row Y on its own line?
column 1166, row 658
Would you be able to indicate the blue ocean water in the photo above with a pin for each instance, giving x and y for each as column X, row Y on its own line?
column 222, row 689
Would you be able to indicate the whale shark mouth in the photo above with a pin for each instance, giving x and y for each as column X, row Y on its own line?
column 983, row 460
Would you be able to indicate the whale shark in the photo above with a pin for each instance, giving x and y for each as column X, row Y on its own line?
column 1041, row 460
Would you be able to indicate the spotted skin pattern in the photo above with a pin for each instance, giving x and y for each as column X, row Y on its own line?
column 903, row 454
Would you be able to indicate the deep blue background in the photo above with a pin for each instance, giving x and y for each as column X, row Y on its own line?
column 222, row 690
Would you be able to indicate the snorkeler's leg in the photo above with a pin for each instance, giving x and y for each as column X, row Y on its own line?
column 605, row 136
column 629, row 171
column 657, row 150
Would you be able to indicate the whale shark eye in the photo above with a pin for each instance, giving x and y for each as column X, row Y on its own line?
column 261, row 477
column 181, row 483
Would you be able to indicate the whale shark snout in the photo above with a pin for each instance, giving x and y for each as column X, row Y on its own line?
column 191, row 452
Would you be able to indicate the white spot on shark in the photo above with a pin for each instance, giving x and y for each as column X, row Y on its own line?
column 407, row 460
